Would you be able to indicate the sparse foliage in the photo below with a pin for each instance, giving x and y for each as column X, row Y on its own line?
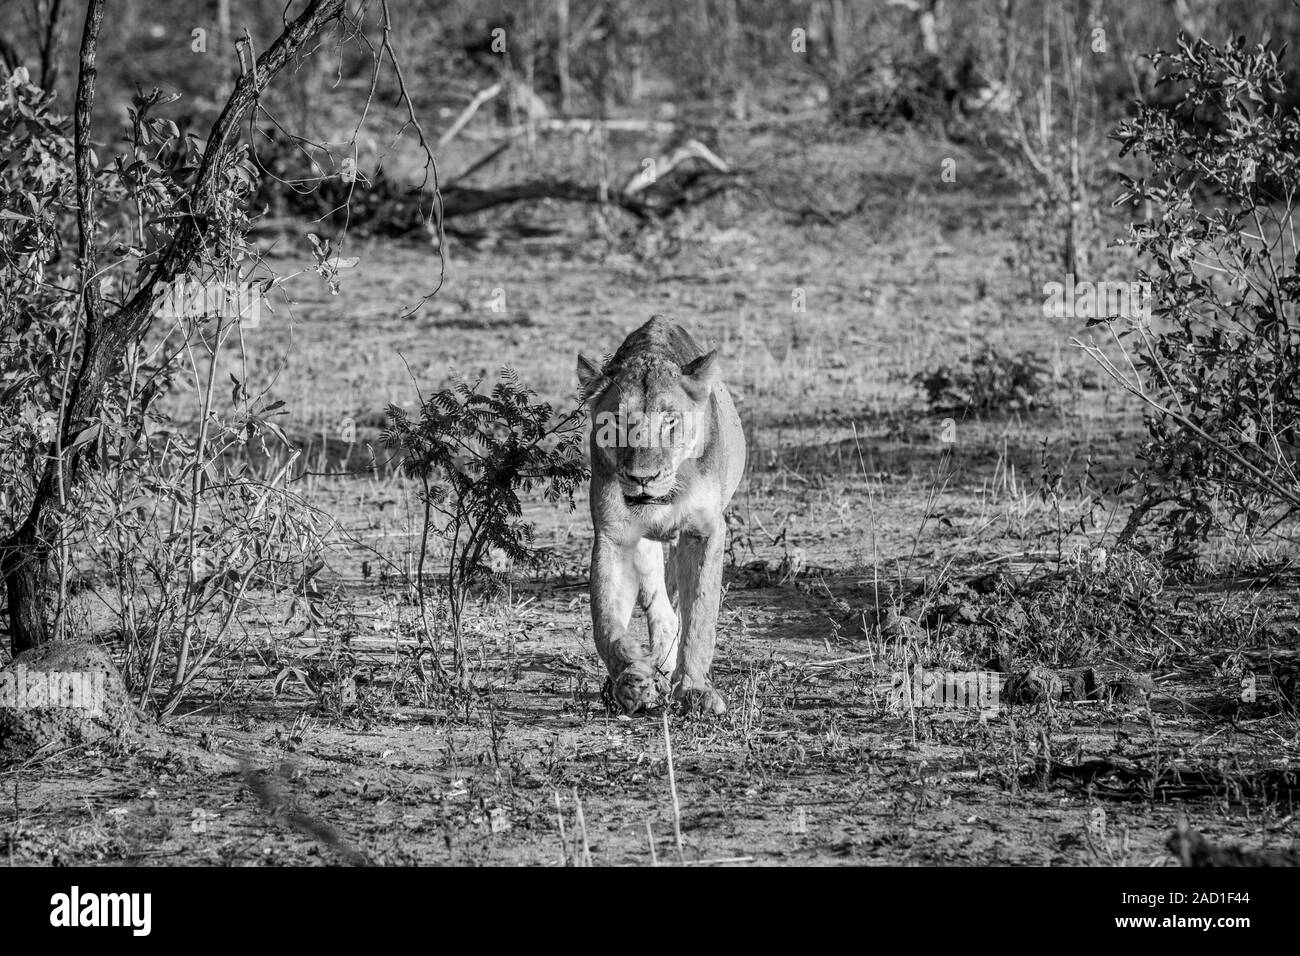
column 1053, row 146
column 474, row 454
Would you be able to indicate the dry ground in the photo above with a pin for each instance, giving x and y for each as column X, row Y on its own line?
column 849, row 540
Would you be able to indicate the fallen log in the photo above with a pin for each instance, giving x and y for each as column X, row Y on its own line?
column 688, row 190
column 385, row 206
column 404, row 214
column 654, row 170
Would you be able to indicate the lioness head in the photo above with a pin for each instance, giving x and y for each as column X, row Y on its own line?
column 649, row 415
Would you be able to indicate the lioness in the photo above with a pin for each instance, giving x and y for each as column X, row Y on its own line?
column 667, row 453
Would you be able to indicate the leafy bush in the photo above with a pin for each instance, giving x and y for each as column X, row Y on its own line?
column 37, row 304
column 473, row 455
column 991, row 382
column 1221, row 375
column 170, row 522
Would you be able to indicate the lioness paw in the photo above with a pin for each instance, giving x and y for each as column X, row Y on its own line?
column 699, row 700
column 637, row 688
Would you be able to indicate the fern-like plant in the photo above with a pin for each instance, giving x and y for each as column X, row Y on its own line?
column 474, row 453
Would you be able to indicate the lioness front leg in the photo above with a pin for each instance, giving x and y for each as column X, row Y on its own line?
column 631, row 663
column 661, row 619
column 699, row 582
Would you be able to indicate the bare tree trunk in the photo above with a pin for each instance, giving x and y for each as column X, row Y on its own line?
column 928, row 25
column 1006, row 30
column 562, row 52
column 224, row 59
column 1077, row 253
column 50, row 43
column 24, row 563
column 841, row 35
column 1190, row 21
column 732, row 58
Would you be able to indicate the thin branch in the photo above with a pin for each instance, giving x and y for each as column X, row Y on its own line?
column 430, row 164
column 1288, row 495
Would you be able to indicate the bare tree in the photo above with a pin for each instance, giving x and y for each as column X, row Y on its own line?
column 46, row 27
column 49, row 15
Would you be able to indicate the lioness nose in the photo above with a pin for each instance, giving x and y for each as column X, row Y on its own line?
column 642, row 479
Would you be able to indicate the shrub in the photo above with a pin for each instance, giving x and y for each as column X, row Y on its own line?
column 1221, row 375
column 991, row 381
column 473, row 454
column 170, row 523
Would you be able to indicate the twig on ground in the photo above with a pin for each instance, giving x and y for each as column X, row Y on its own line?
column 672, row 786
column 582, row 829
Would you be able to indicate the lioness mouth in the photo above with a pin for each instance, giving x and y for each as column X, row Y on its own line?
column 647, row 499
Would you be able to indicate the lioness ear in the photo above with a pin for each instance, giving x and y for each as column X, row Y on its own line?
column 591, row 379
column 699, row 375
